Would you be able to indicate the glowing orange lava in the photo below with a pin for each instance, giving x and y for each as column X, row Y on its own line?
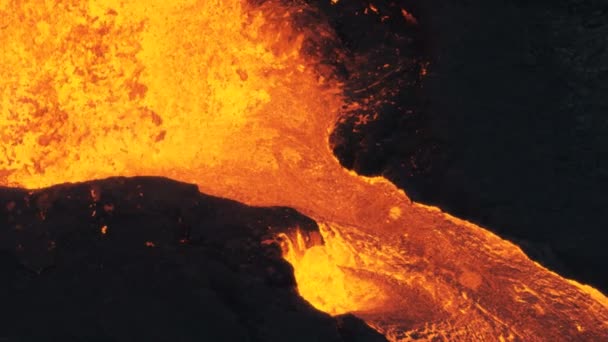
column 233, row 97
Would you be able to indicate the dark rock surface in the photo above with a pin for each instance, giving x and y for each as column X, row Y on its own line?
column 509, row 128
column 171, row 264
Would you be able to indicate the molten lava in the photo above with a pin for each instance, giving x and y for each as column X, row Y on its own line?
column 236, row 98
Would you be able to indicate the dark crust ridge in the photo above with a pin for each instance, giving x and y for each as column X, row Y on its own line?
column 172, row 265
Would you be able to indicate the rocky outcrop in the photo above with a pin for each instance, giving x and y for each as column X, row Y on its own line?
column 505, row 128
column 149, row 259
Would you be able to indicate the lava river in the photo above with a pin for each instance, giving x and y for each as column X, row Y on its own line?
column 238, row 98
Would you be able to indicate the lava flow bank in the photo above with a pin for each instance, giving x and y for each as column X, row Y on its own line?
column 238, row 98
column 150, row 259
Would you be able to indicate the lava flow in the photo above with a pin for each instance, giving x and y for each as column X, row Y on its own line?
column 237, row 98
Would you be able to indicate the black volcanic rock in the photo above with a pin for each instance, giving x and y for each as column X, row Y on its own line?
column 507, row 128
column 149, row 259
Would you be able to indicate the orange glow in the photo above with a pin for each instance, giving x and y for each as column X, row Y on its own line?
column 330, row 275
column 409, row 18
column 424, row 69
column 104, row 230
column 228, row 96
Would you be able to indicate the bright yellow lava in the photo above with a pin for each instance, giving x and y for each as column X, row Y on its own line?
column 185, row 89
column 329, row 275
column 234, row 97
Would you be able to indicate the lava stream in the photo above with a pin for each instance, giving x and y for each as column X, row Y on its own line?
column 236, row 98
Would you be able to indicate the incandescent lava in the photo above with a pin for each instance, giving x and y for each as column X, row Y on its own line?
column 237, row 98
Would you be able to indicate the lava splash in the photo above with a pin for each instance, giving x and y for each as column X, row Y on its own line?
column 238, row 98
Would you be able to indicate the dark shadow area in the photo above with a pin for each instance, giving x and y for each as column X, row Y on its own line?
column 507, row 128
column 150, row 259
